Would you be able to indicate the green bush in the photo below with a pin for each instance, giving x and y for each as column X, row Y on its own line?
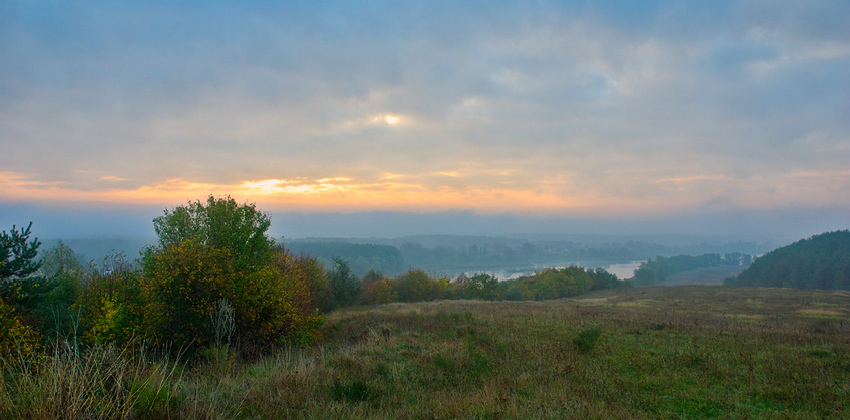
column 110, row 303
column 219, row 250
column 586, row 339
column 416, row 286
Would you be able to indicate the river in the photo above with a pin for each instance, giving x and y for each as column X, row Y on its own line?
column 622, row 270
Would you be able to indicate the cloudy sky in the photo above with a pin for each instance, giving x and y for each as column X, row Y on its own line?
column 614, row 110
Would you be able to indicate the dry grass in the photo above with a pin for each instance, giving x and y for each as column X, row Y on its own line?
column 668, row 352
column 103, row 382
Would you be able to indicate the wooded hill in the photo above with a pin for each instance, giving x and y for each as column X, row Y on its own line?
column 821, row 262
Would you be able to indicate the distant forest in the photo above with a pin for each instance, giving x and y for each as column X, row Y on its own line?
column 474, row 253
column 821, row 262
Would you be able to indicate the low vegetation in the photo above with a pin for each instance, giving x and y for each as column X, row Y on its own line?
column 674, row 352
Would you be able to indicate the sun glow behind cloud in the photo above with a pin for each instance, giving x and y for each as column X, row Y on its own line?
column 391, row 119
column 388, row 119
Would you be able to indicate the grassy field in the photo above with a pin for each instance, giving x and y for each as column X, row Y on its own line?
column 666, row 352
column 713, row 276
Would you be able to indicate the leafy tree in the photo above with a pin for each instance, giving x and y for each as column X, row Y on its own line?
column 61, row 259
column 180, row 287
column 603, row 280
column 376, row 289
column 460, row 282
column 344, row 285
column 645, row 275
column 219, row 250
column 16, row 338
column 219, row 223
column 482, row 286
column 306, row 271
column 416, row 286
column 63, row 272
column 447, row 291
column 555, row 283
column 110, row 302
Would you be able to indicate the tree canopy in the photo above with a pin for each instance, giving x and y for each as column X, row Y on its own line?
column 218, row 249
column 17, row 254
column 219, row 223
column 820, row 262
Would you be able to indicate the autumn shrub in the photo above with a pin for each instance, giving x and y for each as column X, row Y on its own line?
column 306, row 288
column 415, row 286
column 16, row 338
column 109, row 304
column 219, row 250
column 180, row 286
column 377, row 290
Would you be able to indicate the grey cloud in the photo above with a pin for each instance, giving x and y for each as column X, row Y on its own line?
column 225, row 93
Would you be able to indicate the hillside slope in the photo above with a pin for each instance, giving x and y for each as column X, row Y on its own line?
column 821, row 262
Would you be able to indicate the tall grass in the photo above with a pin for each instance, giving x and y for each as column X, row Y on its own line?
column 101, row 382
column 680, row 352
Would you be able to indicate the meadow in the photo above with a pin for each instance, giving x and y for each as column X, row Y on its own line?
column 662, row 352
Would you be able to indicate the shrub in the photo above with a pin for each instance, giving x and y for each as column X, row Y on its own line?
column 377, row 291
column 219, row 250
column 482, row 286
column 110, row 302
column 180, row 287
column 16, row 338
column 416, row 286
column 344, row 285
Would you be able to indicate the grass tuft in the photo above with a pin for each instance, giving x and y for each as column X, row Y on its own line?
column 586, row 339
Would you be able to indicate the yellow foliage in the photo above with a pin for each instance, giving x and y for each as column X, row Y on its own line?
column 16, row 338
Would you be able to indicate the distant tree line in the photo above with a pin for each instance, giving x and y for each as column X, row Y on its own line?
column 653, row 272
column 393, row 257
column 821, row 262
column 416, row 285
column 361, row 258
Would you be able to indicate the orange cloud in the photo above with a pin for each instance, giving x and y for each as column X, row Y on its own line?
column 339, row 194
column 423, row 193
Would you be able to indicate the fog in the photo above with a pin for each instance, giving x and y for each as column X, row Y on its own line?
column 780, row 226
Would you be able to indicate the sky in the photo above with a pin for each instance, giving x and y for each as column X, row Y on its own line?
column 441, row 116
